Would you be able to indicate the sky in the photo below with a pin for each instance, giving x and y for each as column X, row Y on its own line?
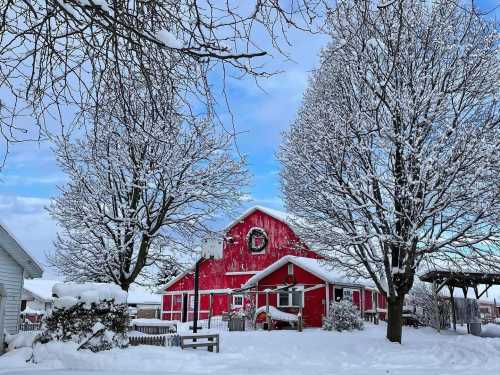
column 261, row 113
column 31, row 176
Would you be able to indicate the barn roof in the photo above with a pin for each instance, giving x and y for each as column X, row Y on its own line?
column 278, row 215
column 10, row 244
column 316, row 267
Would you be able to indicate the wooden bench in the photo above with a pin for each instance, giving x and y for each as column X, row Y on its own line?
column 208, row 340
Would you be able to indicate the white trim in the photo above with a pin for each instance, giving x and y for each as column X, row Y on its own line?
column 174, row 280
column 238, row 273
column 205, row 291
column 311, row 288
column 327, row 298
column 30, row 265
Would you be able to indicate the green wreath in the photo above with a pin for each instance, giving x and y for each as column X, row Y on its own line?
column 253, row 233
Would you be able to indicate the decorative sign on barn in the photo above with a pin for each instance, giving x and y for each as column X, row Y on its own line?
column 257, row 240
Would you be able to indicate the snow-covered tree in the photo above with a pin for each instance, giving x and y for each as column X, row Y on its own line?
column 393, row 158
column 342, row 316
column 54, row 53
column 143, row 181
column 431, row 310
column 168, row 269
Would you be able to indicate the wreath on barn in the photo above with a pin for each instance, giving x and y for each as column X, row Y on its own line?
column 257, row 239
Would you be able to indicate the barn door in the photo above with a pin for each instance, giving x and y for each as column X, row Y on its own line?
column 184, row 307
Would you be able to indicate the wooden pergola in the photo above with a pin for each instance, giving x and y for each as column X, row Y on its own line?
column 463, row 280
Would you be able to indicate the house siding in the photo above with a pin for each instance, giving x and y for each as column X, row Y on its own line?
column 11, row 278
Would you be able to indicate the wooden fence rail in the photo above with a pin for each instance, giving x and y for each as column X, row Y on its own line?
column 148, row 340
column 30, row 326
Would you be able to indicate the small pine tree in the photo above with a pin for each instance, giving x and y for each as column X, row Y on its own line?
column 343, row 316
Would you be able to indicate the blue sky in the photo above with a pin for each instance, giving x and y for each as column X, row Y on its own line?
column 31, row 175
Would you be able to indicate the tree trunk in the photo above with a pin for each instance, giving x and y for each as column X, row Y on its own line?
column 395, row 319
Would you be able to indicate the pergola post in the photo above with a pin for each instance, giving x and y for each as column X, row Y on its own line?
column 436, row 301
column 465, row 290
column 453, row 314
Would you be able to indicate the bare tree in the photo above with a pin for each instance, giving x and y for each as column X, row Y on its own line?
column 393, row 158
column 143, row 180
column 54, row 53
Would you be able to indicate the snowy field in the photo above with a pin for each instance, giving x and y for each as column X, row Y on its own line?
column 282, row 352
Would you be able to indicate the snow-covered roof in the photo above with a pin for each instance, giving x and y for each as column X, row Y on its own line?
column 140, row 295
column 277, row 314
column 278, row 215
column 13, row 247
column 70, row 293
column 315, row 266
column 40, row 289
column 174, row 280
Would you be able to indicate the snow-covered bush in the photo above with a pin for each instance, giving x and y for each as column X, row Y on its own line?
column 93, row 315
column 343, row 316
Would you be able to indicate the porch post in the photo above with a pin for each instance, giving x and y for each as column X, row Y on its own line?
column 327, row 299
column 210, row 310
column 268, row 317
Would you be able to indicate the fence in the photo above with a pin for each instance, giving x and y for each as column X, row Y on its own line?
column 155, row 330
column 148, row 340
column 30, row 326
column 172, row 340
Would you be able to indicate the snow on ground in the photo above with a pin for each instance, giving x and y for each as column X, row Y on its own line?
column 279, row 352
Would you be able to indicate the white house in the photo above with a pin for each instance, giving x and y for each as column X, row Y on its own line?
column 15, row 265
column 142, row 303
column 37, row 298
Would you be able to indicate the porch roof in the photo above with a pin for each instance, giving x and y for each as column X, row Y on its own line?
column 316, row 267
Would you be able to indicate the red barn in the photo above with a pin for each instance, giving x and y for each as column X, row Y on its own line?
column 262, row 253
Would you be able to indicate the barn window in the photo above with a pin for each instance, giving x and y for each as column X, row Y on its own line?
column 292, row 297
column 237, row 300
column 290, row 268
column 347, row 294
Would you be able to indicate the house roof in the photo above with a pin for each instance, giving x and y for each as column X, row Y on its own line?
column 13, row 247
column 40, row 289
column 316, row 267
column 140, row 295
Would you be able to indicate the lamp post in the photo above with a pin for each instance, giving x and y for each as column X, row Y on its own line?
column 196, row 294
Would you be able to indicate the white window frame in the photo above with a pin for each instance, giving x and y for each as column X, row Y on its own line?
column 290, row 269
column 234, row 304
column 290, row 295
column 347, row 294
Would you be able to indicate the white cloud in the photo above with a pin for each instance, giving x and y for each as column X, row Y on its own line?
column 28, row 220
